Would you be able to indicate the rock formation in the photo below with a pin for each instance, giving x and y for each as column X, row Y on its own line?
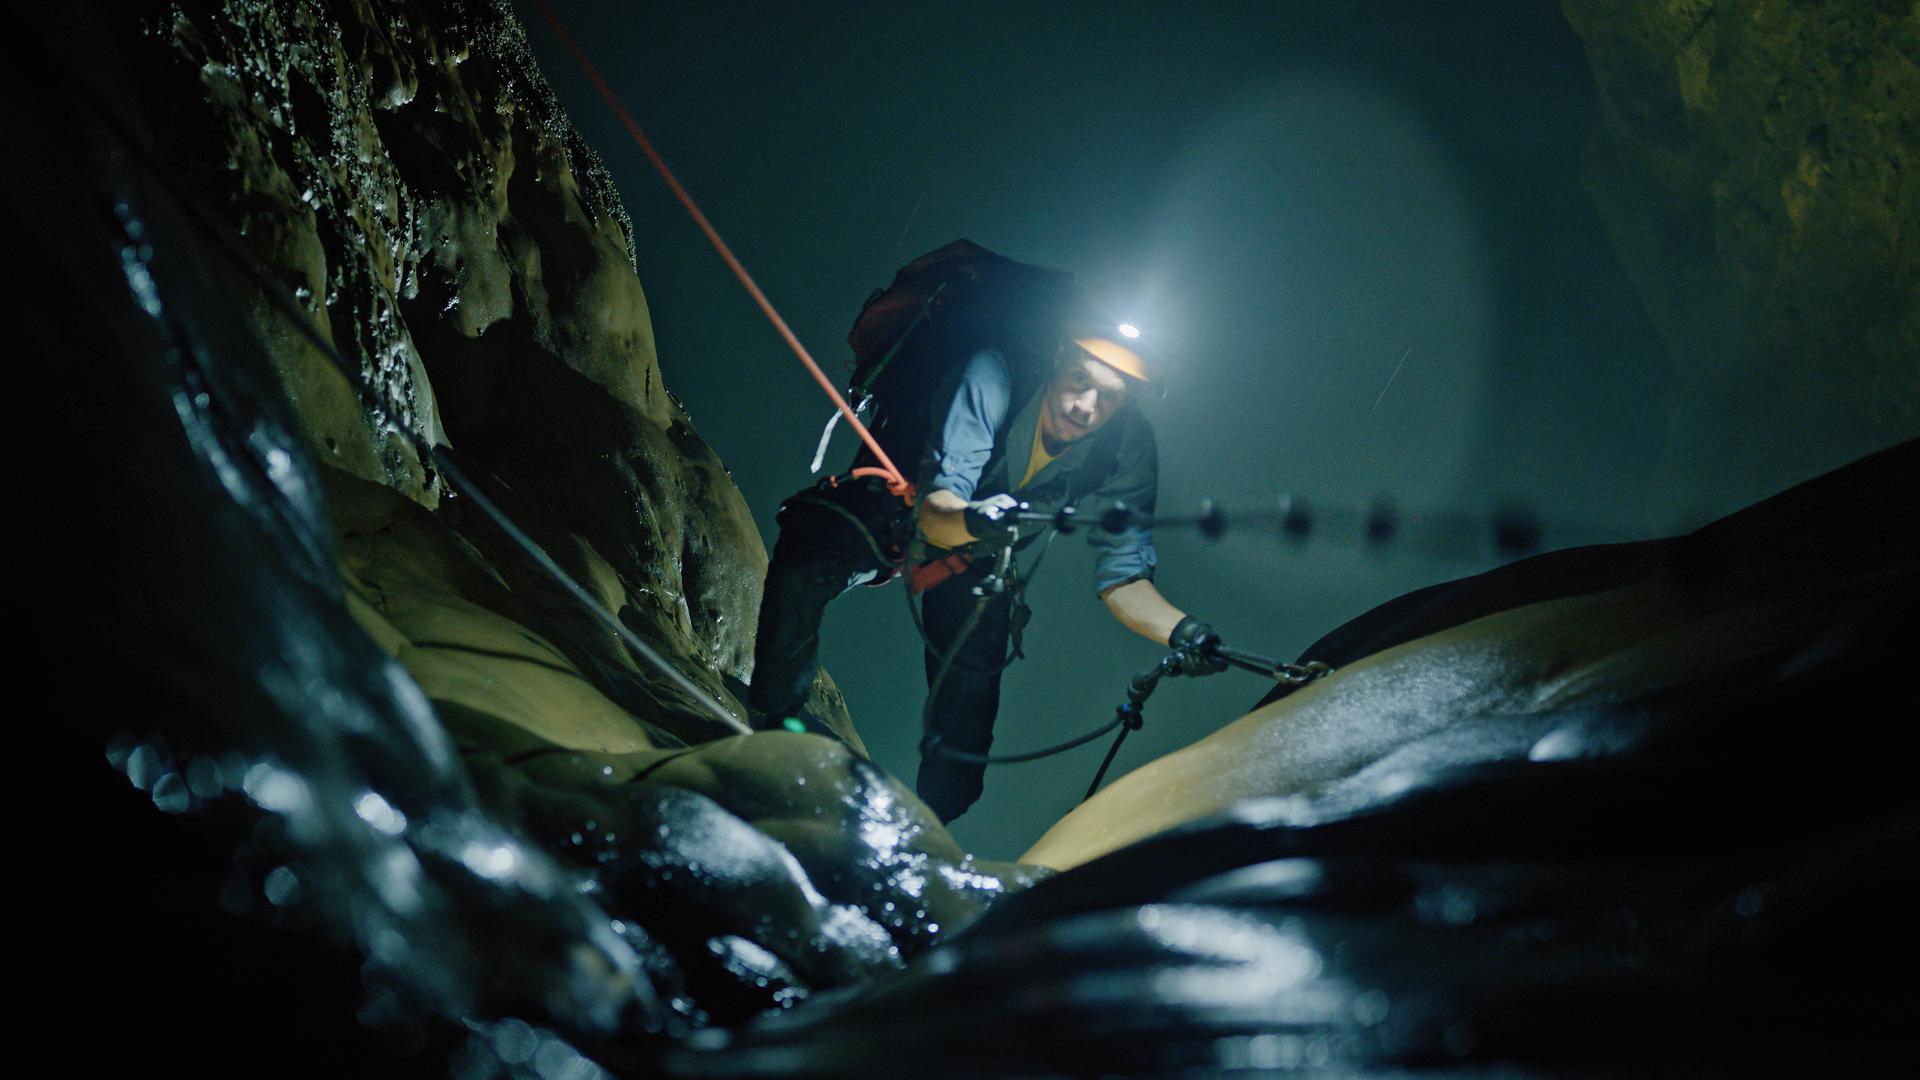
column 1530, row 659
column 398, row 176
column 1757, row 166
column 1630, row 809
column 1606, row 809
column 403, row 168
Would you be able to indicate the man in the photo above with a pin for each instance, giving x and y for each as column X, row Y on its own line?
column 1077, row 440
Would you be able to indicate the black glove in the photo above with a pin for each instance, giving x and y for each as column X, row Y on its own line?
column 990, row 523
column 1195, row 641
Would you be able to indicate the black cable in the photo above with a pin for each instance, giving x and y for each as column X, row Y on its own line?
column 967, row 627
column 932, row 742
column 919, row 624
column 936, row 746
column 1107, row 762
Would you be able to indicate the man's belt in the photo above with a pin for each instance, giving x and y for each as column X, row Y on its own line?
column 929, row 574
column 833, row 494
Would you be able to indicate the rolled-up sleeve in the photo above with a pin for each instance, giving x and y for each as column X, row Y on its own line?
column 1128, row 554
column 963, row 440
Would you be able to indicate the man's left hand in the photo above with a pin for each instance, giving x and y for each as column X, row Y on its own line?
column 1196, row 642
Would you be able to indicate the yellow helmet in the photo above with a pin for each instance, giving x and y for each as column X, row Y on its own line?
column 1118, row 347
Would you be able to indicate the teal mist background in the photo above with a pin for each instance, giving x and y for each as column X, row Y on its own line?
column 1356, row 231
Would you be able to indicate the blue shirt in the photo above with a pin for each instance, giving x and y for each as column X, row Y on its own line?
column 980, row 444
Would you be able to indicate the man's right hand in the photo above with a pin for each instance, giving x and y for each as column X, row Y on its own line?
column 990, row 520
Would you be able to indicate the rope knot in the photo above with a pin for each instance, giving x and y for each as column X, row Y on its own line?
column 898, row 486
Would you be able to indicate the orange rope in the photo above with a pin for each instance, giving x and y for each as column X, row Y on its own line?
column 896, row 481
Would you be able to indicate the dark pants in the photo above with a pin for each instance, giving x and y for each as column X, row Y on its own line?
column 820, row 554
column 963, row 711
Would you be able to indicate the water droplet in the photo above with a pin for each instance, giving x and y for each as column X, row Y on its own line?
column 144, row 766
column 282, row 886
column 380, row 814
column 171, row 795
column 233, row 769
column 275, row 789
column 119, row 748
column 203, row 778
column 515, row 1041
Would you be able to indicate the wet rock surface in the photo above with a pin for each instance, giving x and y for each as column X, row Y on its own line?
column 1502, row 665
column 1677, row 849
column 373, row 797
column 360, row 713
column 508, row 852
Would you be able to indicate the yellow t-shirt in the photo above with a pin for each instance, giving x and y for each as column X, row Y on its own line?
column 1038, row 460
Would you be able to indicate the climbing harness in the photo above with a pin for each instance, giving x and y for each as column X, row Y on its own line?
column 386, row 413
column 905, row 560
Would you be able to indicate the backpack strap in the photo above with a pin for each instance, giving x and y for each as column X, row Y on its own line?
column 860, row 392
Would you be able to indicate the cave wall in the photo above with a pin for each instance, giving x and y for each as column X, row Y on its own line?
column 856, row 874
column 1754, row 165
column 405, row 171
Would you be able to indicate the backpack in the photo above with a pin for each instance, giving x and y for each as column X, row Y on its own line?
column 911, row 336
